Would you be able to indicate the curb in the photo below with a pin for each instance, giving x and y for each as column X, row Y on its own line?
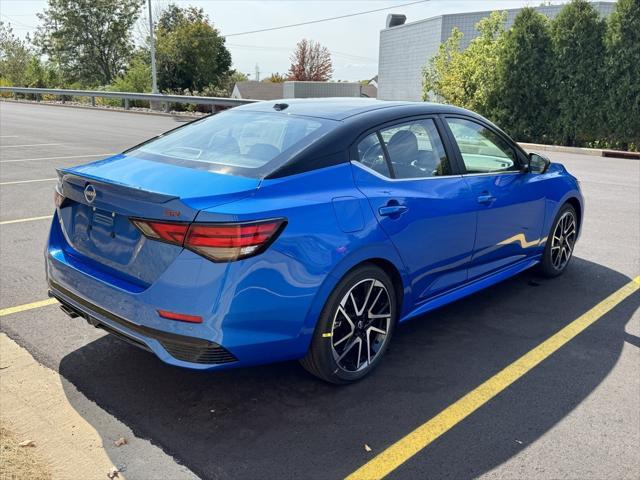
column 595, row 152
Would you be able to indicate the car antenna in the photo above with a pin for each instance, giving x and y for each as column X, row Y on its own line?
column 280, row 106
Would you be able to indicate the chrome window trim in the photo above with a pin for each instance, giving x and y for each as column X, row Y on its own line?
column 357, row 163
column 506, row 172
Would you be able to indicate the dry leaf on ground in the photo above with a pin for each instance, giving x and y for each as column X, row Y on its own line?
column 121, row 441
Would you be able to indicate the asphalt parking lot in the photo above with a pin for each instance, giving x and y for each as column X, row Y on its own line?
column 575, row 415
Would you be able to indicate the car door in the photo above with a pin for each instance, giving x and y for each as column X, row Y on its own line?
column 420, row 200
column 509, row 201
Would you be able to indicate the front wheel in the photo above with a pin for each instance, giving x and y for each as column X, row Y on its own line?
column 355, row 327
column 560, row 243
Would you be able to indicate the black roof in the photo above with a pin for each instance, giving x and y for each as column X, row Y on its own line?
column 342, row 108
column 353, row 116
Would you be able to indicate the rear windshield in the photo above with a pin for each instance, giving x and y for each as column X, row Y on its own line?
column 243, row 142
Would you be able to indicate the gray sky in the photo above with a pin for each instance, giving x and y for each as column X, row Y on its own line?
column 353, row 41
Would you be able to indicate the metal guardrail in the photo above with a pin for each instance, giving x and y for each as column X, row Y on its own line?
column 126, row 97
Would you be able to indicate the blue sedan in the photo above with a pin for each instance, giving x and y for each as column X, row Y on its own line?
column 302, row 229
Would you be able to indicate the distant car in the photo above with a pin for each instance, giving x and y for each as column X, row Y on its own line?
column 303, row 229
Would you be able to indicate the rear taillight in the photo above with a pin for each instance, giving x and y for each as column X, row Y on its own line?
column 164, row 231
column 220, row 242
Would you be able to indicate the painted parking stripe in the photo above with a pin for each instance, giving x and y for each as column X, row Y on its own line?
column 31, row 145
column 408, row 446
column 16, row 182
column 55, row 158
column 27, row 306
column 21, row 220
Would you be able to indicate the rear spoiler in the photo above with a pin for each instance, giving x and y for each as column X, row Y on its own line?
column 80, row 182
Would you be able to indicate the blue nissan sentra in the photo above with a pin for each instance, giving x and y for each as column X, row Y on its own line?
column 302, row 229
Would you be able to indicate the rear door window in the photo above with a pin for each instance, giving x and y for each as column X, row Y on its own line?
column 415, row 150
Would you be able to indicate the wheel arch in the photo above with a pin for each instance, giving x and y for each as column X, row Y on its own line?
column 577, row 206
column 382, row 258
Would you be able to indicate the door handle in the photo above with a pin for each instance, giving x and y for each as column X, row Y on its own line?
column 392, row 210
column 486, row 198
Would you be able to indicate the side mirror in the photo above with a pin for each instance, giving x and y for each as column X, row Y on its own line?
column 538, row 163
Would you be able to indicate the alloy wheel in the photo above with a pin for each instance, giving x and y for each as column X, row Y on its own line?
column 563, row 241
column 361, row 325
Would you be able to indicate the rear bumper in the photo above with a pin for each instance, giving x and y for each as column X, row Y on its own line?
column 181, row 347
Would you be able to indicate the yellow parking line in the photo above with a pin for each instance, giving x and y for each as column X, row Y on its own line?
column 408, row 446
column 20, row 220
column 27, row 306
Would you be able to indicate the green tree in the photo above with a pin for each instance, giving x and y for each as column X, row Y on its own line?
column 578, row 44
column 137, row 78
column 15, row 57
column 226, row 86
column 41, row 74
column 276, row 78
column 444, row 77
column 623, row 73
column 521, row 100
column 191, row 53
column 467, row 77
column 90, row 40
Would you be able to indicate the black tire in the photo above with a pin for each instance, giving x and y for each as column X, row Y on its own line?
column 560, row 243
column 340, row 316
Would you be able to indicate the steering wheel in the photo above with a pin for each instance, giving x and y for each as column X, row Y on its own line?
column 375, row 152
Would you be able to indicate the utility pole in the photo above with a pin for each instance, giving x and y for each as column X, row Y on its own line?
column 154, row 74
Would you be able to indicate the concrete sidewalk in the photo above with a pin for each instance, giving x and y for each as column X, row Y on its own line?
column 36, row 403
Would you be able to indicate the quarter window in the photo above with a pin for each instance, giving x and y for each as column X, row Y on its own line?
column 371, row 154
column 482, row 150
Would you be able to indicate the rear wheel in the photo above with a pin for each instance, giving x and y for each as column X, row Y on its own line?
column 355, row 327
column 560, row 243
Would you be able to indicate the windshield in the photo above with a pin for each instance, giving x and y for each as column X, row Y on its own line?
column 236, row 142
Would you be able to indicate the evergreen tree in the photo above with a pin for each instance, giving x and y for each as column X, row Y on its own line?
column 521, row 100
column 623, row 74
column 578, row 45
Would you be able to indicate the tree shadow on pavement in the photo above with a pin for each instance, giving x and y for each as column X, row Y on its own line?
column 278, row 422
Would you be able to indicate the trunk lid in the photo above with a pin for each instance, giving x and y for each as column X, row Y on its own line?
column 102, row 197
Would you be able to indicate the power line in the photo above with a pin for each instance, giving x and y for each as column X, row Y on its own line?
column 16, row 22
column 324, row 19
column 310, row 22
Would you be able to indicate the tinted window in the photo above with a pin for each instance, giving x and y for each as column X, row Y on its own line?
column 482, row 150
column 244, row 140
column 415, row 150
column 370, row 153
